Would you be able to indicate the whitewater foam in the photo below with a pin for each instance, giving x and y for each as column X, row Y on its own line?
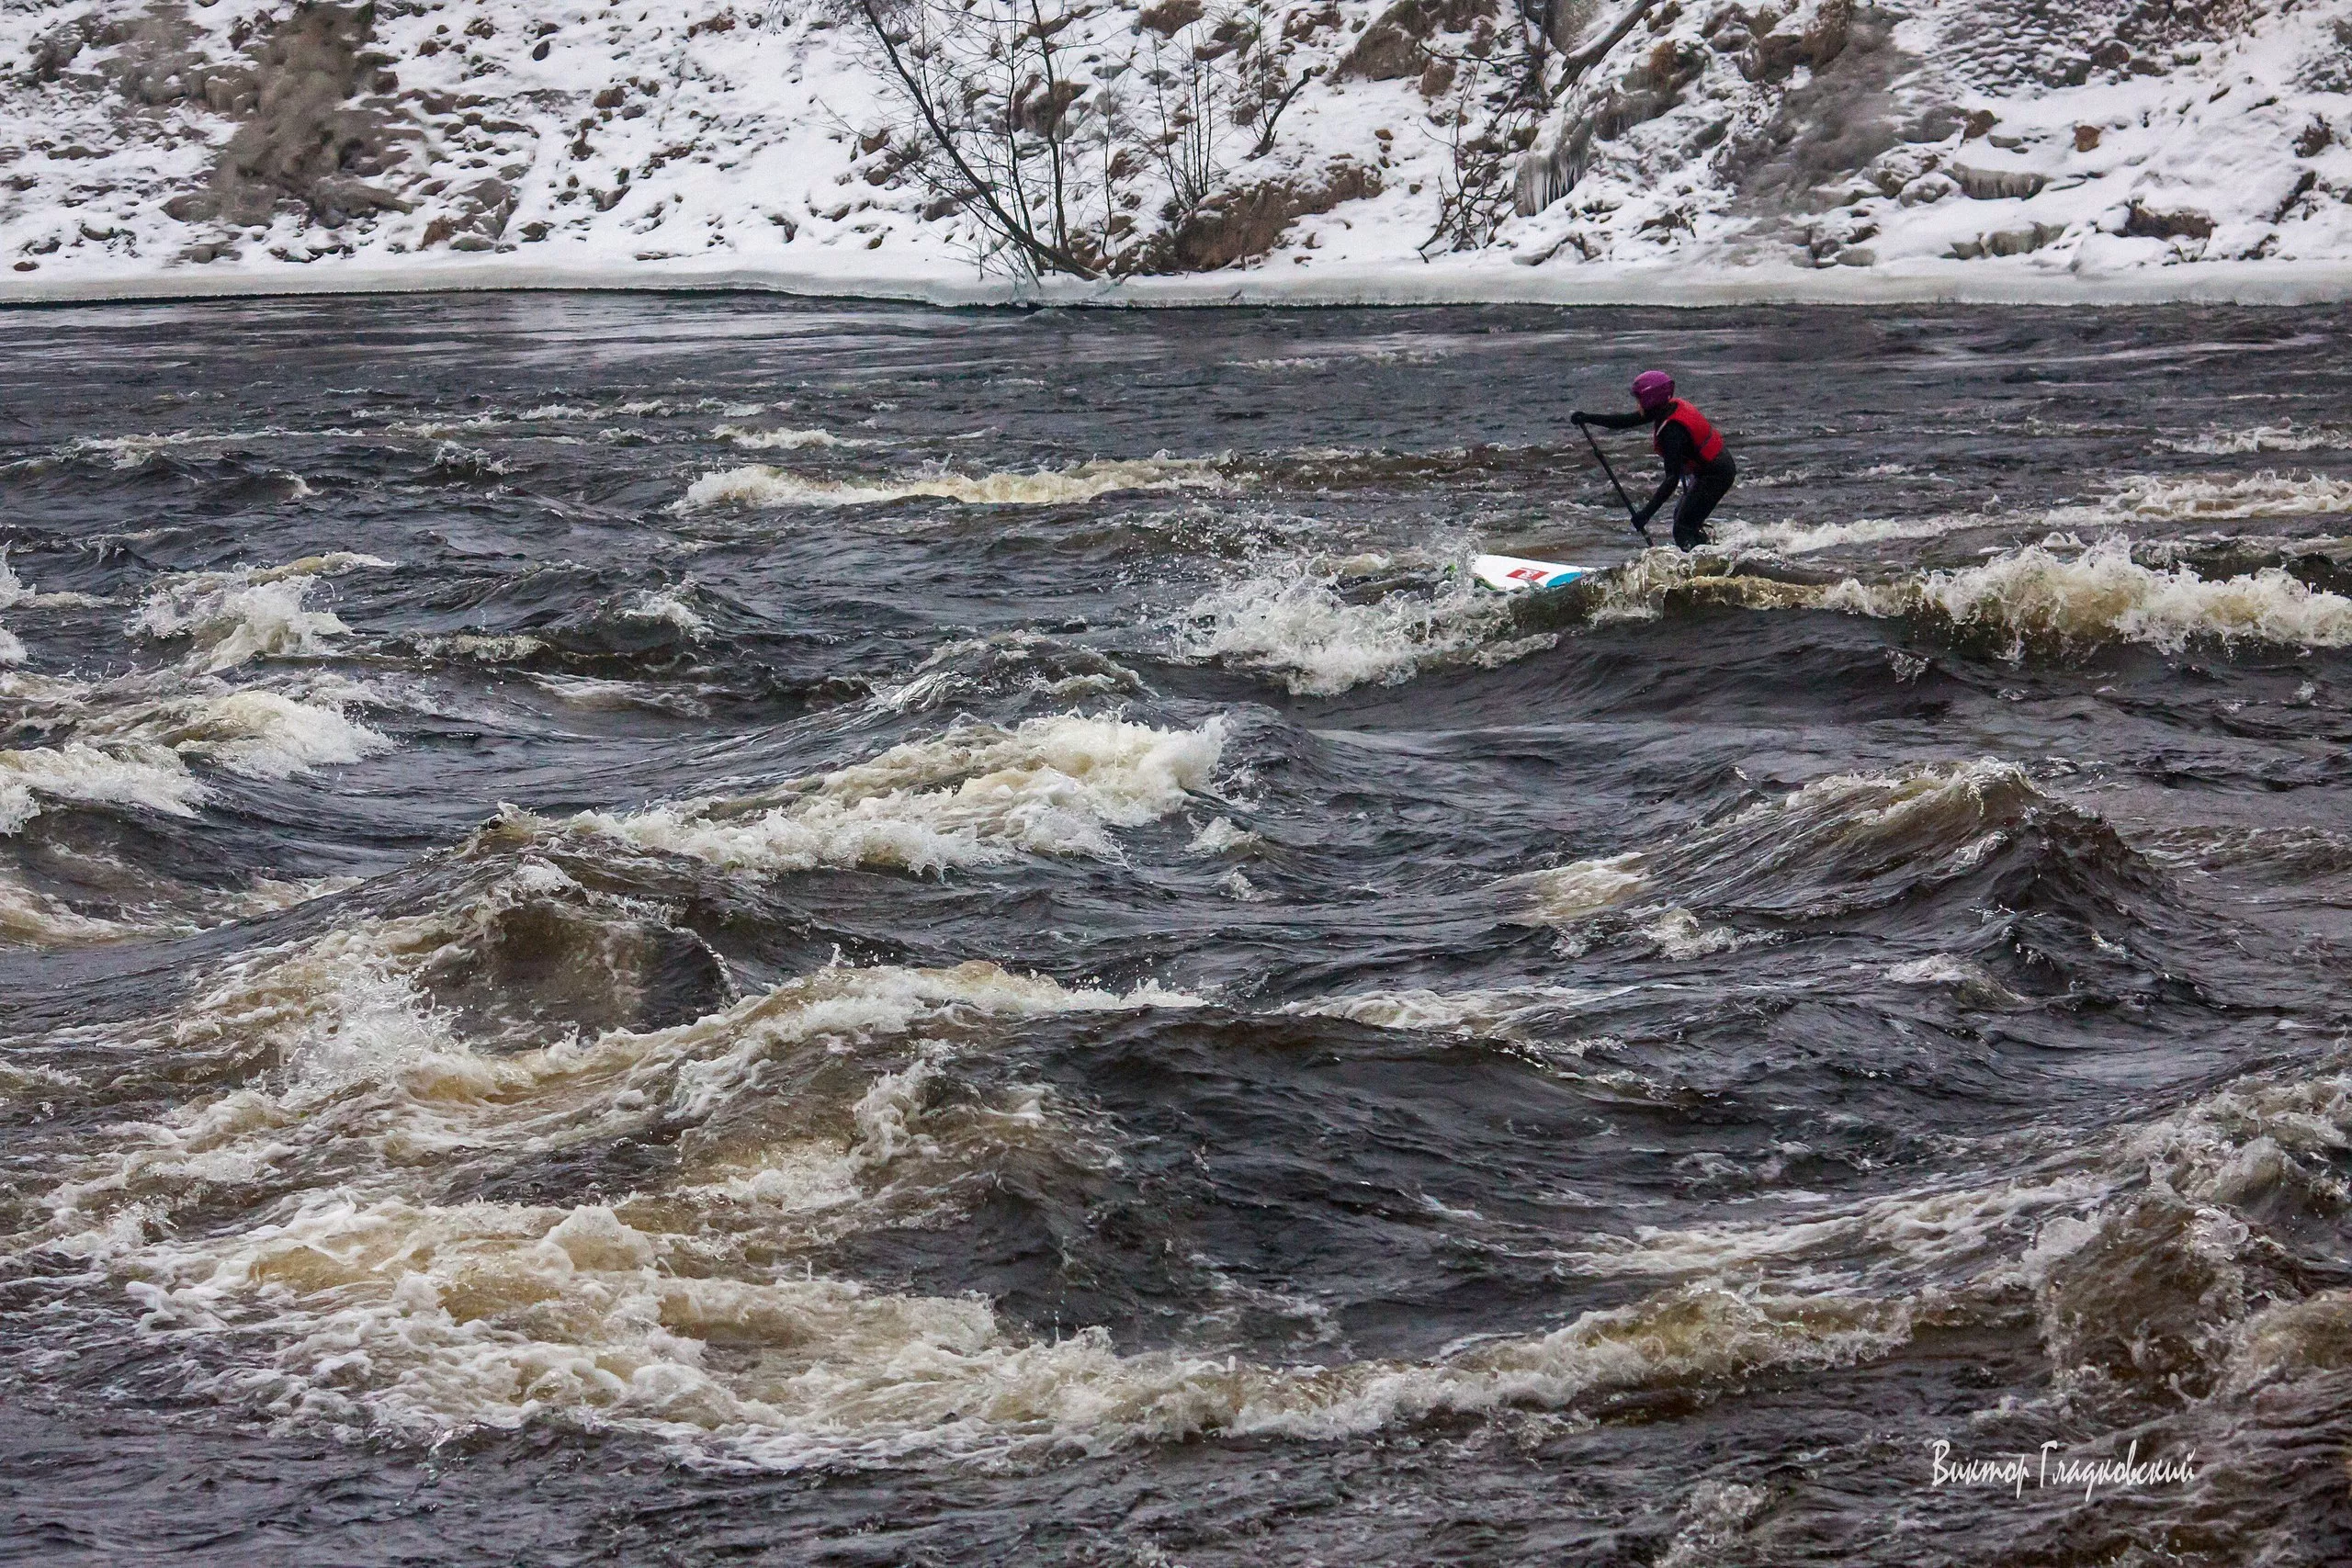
column 1221, row 836
column 31, row 918
column 761, row 486
column 1502, row 1012
column 2060, row 592
column 1805, row 538
column 975, row 796
column 670, row 605
column 265, row 735
column 1966, row 980
column 2202, row 499
column 1571, row 892
column 79, row 773
column 488, row 648
column 249, row 613
column 1681, row 936
column 14, row 591
column 1886, row 1242
column 1291, row 617
column 1848, row 830
column 359, row 1300
column 421, row 1321
column 2287, row 437
column 790, row 440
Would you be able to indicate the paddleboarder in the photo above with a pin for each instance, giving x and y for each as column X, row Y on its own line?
column 1696, row 459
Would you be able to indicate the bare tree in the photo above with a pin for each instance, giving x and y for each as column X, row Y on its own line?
column 1069, row 132
column 1497, row 95
column 995, row 98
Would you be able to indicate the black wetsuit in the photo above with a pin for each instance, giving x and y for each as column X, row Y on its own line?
column 1702, row 483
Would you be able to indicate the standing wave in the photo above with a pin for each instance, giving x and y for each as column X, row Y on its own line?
column 2048, row 594
column 977, row 796
column 1300, row 618
column 760, row 485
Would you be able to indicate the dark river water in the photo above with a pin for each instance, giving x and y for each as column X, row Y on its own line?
column 681, row 930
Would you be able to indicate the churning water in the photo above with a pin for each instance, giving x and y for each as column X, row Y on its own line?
column 650, row 930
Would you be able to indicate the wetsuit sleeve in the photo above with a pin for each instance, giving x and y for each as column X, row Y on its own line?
column 1674, row 446
column 1649, row 508
column 1618, row 421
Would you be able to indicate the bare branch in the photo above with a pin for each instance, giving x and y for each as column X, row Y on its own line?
column 981, row 191
column 1593, row 54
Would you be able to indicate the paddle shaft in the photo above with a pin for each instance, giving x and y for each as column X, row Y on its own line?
column 1630, row 516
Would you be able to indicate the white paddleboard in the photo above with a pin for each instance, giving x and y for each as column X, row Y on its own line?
column 1510, row 574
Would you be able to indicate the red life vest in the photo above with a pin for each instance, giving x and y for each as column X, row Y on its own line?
column 1694, row 424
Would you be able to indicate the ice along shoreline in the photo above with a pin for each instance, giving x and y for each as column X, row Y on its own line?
column 2257, row 283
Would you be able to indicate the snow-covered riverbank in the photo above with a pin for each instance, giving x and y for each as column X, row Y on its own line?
column 1813, row 151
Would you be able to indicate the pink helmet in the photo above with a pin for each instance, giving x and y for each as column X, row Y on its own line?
column 1652, row 390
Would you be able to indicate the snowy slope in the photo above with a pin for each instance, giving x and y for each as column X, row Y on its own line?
column 1431, row 149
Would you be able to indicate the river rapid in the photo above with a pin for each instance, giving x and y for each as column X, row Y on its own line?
column 668, row 929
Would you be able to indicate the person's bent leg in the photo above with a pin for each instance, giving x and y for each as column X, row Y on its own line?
column 1697, row 504
column 1690, row 516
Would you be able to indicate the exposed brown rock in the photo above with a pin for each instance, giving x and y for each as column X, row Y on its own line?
column 1236, row 225
column 1171, row 16
column 1391, row 49
column 1775, row 56
column 306, row 141
column 2183, row 225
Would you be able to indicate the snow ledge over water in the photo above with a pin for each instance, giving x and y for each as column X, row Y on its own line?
column 1468, row 281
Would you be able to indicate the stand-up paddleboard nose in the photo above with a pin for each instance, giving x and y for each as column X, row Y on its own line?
column 1512, row 574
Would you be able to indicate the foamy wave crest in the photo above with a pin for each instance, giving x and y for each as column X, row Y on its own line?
column 1582, row 887
column 360, row 1297
column 2200, row 500
column 452, row 1314
column 1805, row 539
column 481, row 646
column 1006, row 663
column 670, row 605
column 790, row 440
column 1638, row 591
column 1892, row 1239
column 976, row 796
column 125, row 737
column 83, row 774
column 265, row 735
column 29, row 918
column 1848, row 836
column 14, row 592
column 250, row 613
column 1292, row 617
column 1681, row 935
column 1499, row 1013
column 130, row 451
column 423, row 1320
column 760, row 485
column 986, row 1392
column 2043, row 595
column 1965, row 979
column 2289, row 437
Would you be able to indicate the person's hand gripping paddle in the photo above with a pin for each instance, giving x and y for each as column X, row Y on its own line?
column 1627, row 501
